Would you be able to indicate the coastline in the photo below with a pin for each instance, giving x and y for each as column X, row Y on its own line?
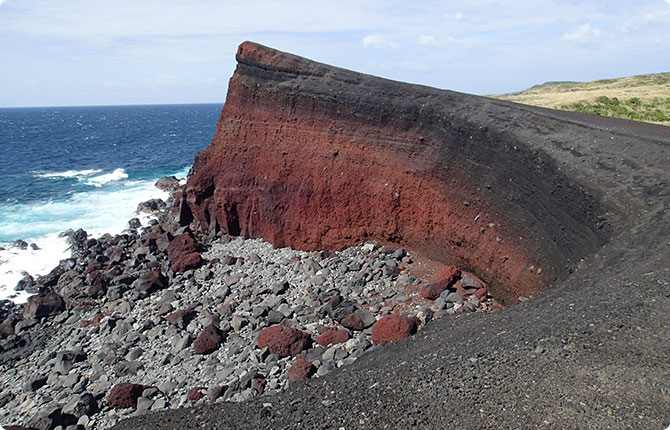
column 134, row 309
column 40, row 254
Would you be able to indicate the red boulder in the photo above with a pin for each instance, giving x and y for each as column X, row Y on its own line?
column 196, row 393
column 284, row 341
column 182, row 245
column 444, row 278
column 209, row 340
column 393, row 327
column 333, row 336
column 187, row 262
column 300, row 371
column 125, row 395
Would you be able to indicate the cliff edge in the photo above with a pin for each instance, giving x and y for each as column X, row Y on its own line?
column 315, row 157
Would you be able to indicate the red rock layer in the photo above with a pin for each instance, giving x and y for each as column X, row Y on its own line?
column 314, row 157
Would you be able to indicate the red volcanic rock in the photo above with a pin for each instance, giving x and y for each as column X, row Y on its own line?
column 187, row 262
column 481, row 294
column 449, row 274
column 43, row 304
column 208, row 341
column 445, row 277
column 196, row 393
column 181, row 246
column 125, row 395
column 300, row 370
column 333, row 336
column 284, row 341
column 393, row 327
column 433, row 290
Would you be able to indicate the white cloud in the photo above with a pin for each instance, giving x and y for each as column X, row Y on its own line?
column 465, row 43
column 2, row 1
column 668, row 2
column 107, row 84
column 458, row 16
column 377, row 41
column 582, row 34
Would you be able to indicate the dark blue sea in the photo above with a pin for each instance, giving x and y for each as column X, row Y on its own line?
column 86, row 167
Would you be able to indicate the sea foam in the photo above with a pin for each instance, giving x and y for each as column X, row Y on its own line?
column 99, row 211
column 79, row 174
column 116, row 175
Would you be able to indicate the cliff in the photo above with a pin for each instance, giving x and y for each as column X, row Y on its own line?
column 316, row 157
column 313, row 156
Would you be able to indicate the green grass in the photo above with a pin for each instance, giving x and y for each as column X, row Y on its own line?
column 640, row 98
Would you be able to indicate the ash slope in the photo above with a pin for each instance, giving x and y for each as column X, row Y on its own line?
column 591, row 352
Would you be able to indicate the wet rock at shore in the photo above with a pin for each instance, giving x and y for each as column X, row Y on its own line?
column 168, row 183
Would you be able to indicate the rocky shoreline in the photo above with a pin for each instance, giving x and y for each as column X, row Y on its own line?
column 161, row 317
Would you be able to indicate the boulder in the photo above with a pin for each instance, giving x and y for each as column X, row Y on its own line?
column 360, row 319
column 208, row 341
column 196, row 393
column 393, row 327
column 284, row 341
column 333, row 336
column 125, row 395
column 43, row 305
column 444, row 278
column 300, row 370
column 190, row 261
column 167, row 183
column 151, row 281
column 182, row 245
column 150, row 206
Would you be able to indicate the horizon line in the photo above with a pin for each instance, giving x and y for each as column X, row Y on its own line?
column 112, row 105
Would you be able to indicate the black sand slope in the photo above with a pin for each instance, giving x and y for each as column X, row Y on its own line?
column 592, row 352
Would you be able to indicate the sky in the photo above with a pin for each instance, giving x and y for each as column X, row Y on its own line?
column 110, row 52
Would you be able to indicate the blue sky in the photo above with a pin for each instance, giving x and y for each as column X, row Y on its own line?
column 103, row 52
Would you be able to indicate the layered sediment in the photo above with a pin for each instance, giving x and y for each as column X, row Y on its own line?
column 315, row 157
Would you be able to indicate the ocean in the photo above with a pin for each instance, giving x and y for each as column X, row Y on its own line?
column 85, row 167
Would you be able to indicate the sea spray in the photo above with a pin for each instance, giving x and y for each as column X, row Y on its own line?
column 104, row 210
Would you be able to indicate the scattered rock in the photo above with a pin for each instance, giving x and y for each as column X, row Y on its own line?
column 167, row 183
column 208, row 341
column 187, row 262
column 43, row 305
column 150, row 282
column 150, row 206
column 333, row 336
column 196, row 393
column 284, row 341
column 125, row 395
column 300, row 370
column 393, row 327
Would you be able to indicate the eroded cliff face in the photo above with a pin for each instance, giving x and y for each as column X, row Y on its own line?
column 315, row 157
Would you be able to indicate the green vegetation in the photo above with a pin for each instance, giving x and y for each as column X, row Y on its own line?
column 653, row 110
column 640, row 98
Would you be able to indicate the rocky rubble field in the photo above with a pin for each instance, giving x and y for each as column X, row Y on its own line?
column 160, row 317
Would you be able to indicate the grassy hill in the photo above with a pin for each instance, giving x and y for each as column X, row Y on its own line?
column 641, row 98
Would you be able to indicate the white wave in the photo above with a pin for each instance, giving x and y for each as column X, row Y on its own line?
column 68, row 174
column 98, row 212
column 101, row 180
column 14, row 263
